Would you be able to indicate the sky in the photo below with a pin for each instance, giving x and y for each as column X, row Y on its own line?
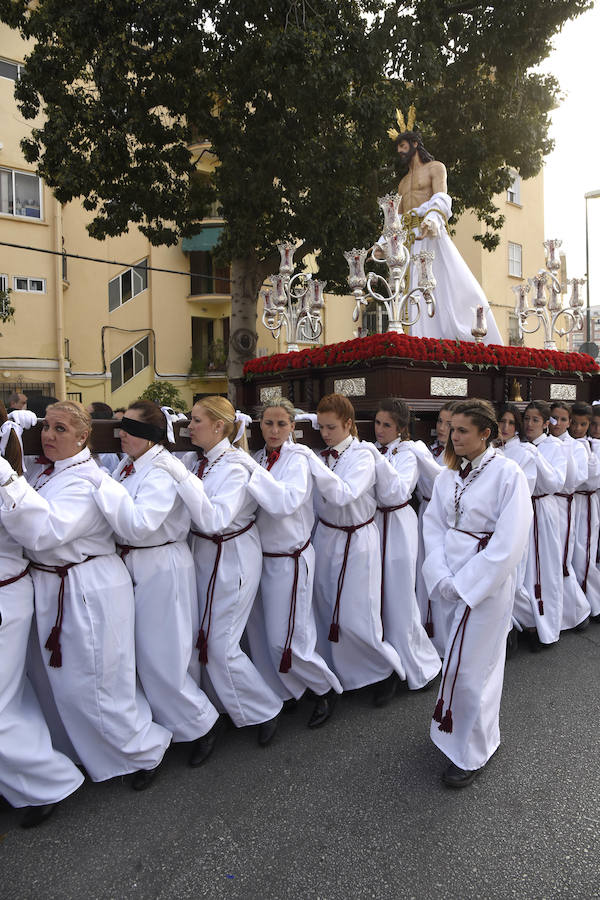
column 573, row 168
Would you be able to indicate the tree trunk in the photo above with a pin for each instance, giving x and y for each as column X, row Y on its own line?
column 247, row 275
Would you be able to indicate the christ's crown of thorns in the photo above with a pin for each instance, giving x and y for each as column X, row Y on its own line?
column 404, row 126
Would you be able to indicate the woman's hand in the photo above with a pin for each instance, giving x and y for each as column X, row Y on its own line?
column 169, row 463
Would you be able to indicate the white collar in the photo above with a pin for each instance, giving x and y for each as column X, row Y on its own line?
column 82, row 456
column 146, row 459
column 343, row 445
column 538, row 440
column 475, row 463
column 218, row 449
column 393, row 445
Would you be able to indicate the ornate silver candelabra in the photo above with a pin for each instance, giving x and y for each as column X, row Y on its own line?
column 403, row 306
column 292, row 300
column 548, row 300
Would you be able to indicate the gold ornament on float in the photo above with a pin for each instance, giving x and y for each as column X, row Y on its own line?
column 404, row 126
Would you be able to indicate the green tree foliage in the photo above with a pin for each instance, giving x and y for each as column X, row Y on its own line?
column 165, row 394
column 295, row 98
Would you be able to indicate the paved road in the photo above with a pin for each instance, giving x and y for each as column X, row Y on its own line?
column 355, row 810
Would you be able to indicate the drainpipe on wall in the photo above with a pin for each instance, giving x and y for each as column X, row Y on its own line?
column 61, row 385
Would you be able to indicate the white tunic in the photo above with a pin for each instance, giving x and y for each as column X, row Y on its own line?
column 551, row 464
column 397, row 472
column 435, row 617
column 492, row 499
column 345, row 497
column 457, row 292
column 523, row 453
column 587, row 526
column 285, row 519
column 105, row 715
column 145, row 511
column 575, row 605
column 32, row 773
column 219, row 505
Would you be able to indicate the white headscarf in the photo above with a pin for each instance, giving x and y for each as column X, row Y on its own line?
column 172, row 416
column 243, row 421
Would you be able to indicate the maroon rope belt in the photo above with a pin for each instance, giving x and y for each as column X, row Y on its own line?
column 286, row 657
column 445, row 720
column 386, row 510
column 569, row 499
column 124, row 549
column 536, row 542
column 588, row 495
column 334, row 628
column 53, row 642
column 15, row 577
column 219, row 540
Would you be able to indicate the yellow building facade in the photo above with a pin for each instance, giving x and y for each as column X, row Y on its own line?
column 106, row 326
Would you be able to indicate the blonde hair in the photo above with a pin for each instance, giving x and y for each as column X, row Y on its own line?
column 79, row 416
column 341, row 407
column 219, row 409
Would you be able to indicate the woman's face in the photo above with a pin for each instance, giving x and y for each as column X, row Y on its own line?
column 563, row 420
column 507, row 427
column 595, row 427
column 333, row 430
column 60, row 437
column 276, row 426
column 467, row 439
column 130, row 444
column 442, row 426
column 204, row 431
column 533, row 424
column 386, row 429
column 579, row 426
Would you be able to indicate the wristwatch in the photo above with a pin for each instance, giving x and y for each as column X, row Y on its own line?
column 10, row 479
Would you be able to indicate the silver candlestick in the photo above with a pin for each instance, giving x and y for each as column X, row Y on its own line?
column 403, row 306
column 295, row 301
column 547, row 300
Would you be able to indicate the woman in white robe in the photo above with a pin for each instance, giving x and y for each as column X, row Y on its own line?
column 228, row 559
column 347, row 588
column 32, row 773
column 540, row 614
column 436, row 617
column 576, row 608
column 587, row 508
column 510, row 427
column 475, row 528
column 283, row 641
column 84, row 606
column 397, row 470
column 151, row 526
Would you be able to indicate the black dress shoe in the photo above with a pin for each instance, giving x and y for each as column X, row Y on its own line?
column 323, row 709
column 582, row 625
column 535, row 645
column 268, row 730
column 35, row 815
column 385, row 690
column 290, row 705
column 204, row 746
column 458, row 778
column 595, row 618
column 512, row 642
column 143, row 778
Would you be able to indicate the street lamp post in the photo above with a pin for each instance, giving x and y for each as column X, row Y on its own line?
column 590, row 195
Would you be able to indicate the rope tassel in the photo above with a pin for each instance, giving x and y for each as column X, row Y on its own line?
column 286, row 660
